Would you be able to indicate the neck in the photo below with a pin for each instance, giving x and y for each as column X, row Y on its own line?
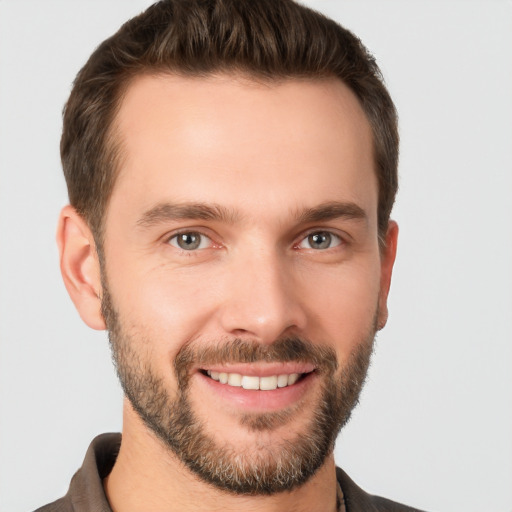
column 148, row 476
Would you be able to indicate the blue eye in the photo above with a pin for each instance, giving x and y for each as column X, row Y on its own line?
column 190, row 241
column 320, row 240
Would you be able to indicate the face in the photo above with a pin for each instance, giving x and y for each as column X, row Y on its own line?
column 242, row 279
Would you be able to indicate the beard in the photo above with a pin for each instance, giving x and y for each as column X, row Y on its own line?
column 268, row 467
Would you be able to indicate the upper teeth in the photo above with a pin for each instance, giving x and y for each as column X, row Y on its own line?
column 254, row 382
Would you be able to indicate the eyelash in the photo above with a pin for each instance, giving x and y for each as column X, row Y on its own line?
column 188, row 232
column 333, row 237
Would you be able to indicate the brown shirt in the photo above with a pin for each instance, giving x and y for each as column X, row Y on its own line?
column 86, row 493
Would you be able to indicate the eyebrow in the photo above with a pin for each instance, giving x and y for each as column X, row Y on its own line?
column 332, row 210
column 166, row 212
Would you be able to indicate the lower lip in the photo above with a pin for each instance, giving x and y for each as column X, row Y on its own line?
column 257, row 400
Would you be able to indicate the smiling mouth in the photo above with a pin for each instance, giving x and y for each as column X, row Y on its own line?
column 253, row 382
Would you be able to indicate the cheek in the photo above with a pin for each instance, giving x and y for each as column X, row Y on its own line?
column 167, row 306
column 342, row 303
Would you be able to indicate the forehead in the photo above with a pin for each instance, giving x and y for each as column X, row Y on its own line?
column 231, row 139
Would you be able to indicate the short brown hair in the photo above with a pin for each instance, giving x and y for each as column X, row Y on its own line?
column 267, row 39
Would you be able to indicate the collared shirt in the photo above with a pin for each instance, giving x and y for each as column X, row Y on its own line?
column 86, row 492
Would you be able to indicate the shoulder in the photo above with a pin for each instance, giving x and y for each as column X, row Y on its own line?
column 86, row 491
column 61, row 505
column 357, row 500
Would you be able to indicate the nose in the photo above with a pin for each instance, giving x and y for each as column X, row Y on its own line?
column 263, row 301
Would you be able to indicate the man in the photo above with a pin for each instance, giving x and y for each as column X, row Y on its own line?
column 231, row 168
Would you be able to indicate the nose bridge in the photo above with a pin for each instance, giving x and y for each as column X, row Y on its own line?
column 262, row 299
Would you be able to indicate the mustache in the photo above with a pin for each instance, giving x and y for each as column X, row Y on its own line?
column 238, row 350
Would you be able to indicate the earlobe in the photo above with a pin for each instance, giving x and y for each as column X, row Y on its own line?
column 388, row 255
column 80, row 266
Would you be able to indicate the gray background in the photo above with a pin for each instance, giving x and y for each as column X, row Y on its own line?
column 435, row 424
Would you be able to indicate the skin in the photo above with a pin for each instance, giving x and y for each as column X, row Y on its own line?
column 267, row 153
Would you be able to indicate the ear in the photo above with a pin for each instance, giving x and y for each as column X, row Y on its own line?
column 80, row 266
column 387, row 260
